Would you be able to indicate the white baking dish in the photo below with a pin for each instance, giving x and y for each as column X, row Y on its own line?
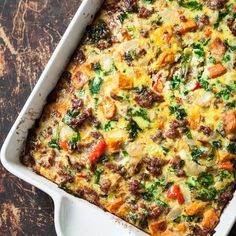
column 73, row 216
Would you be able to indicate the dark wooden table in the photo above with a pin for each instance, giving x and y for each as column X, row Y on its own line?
column 29, row 32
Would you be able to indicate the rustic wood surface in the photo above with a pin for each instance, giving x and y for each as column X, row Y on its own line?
column 29, row 32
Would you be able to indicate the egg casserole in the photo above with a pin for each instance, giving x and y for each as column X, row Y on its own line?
column 142, row 122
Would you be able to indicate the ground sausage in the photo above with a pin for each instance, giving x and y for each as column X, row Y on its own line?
column 144, row 33
column 178, row 165
column 231, row 23
column 226, row 196
column 158, row 136
column 130, row 5
column 154, row 165
column 27, row 160
column 205, row 130
column 66, row 177
column 215, row 4
column 104, row 44
column 116, row 168
column 135, row 187
column 105, row 185
column 155, row 212
column 77, row 122
column 147, row 98
column 78, row 57
column 203, row 21
column 115, row 96
column 172, row 133
column 76, row 103
column 144, row 12
column 197, row 231
column 89, row 194
column 112, row 6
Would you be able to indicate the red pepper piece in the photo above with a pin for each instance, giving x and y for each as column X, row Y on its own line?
column 197, row 86
column 227, row 166
column 64, row 145
column 175, row 193
column 97, row 152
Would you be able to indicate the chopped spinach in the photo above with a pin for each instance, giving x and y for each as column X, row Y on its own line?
column 231, row 105
column 180, row 112
column 217, row 144
column 194, row 218
column 192, row 182
column 226, row 92
column 224, row 174
column 227, row 57
column 206, row 194
column 176, row 81
column 165, row 150
column 72, row 142
column 198, row 50
column 206, row 179
column 161, row 203
column 98, row 174
column 109, row 125
column 69, row 115
column 204, row 84
column 139, row 112
column 231, row 147
column 132, row 216
column 70, row 171
column 97, row 32
column 133, row 129
column 196, row 153
column 95, row 85
column 96, row 67
column 230, row 47
column 158, row 21
column 122, row 16
column 130, row 55
column 188, row 133
column 222, row 14
column 149, row 1
column 54, row 144
column 190, row 4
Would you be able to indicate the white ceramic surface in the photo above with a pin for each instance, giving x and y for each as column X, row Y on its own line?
column 73, row 216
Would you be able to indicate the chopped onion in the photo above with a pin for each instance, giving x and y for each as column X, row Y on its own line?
column 205, row 99
column 174, row 212
column 66, row 132
column 191, row 167
column 129, row 45
column 136, row 149
column 186, row 194
column 106, row 62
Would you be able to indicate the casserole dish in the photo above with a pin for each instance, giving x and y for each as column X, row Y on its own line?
column 65, row 210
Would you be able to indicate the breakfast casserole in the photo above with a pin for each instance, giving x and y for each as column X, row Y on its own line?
column 142, row 122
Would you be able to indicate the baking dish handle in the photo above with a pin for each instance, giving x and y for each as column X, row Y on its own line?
column 58, row 213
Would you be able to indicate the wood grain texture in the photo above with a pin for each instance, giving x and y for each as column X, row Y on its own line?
column 29, row 32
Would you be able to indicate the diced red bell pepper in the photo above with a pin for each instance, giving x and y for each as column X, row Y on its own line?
column 158, row 84
column 227, row 166
column 197, row 85
column 81, row 175
column 97, row 152
column 64, row 145
column 175, row 193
